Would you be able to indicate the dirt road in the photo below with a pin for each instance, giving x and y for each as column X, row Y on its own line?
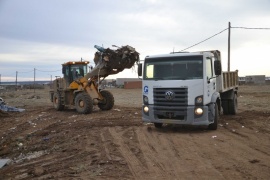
column 47, row 144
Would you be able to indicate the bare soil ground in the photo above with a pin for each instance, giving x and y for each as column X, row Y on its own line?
column 47, row 144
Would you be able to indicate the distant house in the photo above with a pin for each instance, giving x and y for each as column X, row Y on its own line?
column 121, row 81
column 255, row 79
column 129, row 83
column 241, row 80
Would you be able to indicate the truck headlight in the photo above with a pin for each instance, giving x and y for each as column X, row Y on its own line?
column 198, row 111
column 146, row 109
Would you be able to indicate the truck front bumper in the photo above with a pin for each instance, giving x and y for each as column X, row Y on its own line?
column 170, row 116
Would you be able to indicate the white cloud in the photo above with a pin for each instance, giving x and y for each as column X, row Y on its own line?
column 44, row 34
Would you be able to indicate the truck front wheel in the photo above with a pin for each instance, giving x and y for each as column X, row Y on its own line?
column 83, row 103
column 214, row 125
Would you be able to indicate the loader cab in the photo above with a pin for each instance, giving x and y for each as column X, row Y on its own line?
column 74, row 70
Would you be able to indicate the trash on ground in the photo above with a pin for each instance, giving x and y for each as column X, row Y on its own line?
column 4, row 162
column 4, row 107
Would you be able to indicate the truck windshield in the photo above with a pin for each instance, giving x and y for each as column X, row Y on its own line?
column 173, row 68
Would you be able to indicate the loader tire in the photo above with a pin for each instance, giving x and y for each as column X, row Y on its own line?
column 57, row 104
column 233, row 105
column 83, row 103
column 108, row 102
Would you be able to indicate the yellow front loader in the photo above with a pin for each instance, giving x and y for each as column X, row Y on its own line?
column 80, row 85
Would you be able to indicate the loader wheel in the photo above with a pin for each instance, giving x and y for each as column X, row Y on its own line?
column 214, row 125
column 108, row 102
column 83, row 103
column 233, row 105
column 57, row 102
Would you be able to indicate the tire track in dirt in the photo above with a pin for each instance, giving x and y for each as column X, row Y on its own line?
column 163, row 154
column 233, row 156
column 176, row 154
column 136, row 167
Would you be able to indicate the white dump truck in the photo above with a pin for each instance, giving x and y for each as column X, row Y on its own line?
column 187, row 88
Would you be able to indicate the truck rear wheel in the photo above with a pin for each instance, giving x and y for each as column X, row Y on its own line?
column 233, row 105
column 225, row 107
column 57, row 102
column 214, row 125
column 108, row 102
column 83, row 103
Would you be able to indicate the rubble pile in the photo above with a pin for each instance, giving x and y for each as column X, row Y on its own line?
column 122, row 58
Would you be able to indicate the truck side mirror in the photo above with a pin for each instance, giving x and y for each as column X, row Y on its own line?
column 217, row 66
column 140, row 69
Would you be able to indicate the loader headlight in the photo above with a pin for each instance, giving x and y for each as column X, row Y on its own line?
column 198, row 111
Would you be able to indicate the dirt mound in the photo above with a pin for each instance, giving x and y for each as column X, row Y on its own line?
column 47, row 144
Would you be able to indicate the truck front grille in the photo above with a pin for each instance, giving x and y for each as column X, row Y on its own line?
column 170, row 102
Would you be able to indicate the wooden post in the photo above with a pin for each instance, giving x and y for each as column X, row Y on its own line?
column 229, row 46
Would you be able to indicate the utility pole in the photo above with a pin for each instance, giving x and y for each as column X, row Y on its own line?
column 0, row 78
column 229, row 46
column 16, row 80
column 51, row 82
column 34, row 78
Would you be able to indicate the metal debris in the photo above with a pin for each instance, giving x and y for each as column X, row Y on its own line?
column 4, row 162
column 4, row 107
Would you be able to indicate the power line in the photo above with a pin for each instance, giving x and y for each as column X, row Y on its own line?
column 250, row 28
column 222, row 32
column 25, row 71
column 205, row 39
column 47, row 71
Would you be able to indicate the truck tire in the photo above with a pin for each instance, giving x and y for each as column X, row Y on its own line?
column 83, row 103
column 158, row 125
column 108, row 102
column 214, row 125
column 233, row 104
column 225, row 107
column 57, row 102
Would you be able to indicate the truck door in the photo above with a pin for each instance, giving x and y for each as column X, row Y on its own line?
column 210, row 80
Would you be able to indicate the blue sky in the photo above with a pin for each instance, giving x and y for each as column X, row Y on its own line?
column 44, row 34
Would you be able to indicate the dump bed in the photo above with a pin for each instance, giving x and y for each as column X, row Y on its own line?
column 227, row 81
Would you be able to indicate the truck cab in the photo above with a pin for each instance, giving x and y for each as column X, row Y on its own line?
column 182, row 88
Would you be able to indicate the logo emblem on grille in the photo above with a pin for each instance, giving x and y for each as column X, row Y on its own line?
column 169, row 95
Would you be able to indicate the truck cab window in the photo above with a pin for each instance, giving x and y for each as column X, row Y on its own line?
column 174, row 68
column 209, row 69
column 149, row 71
